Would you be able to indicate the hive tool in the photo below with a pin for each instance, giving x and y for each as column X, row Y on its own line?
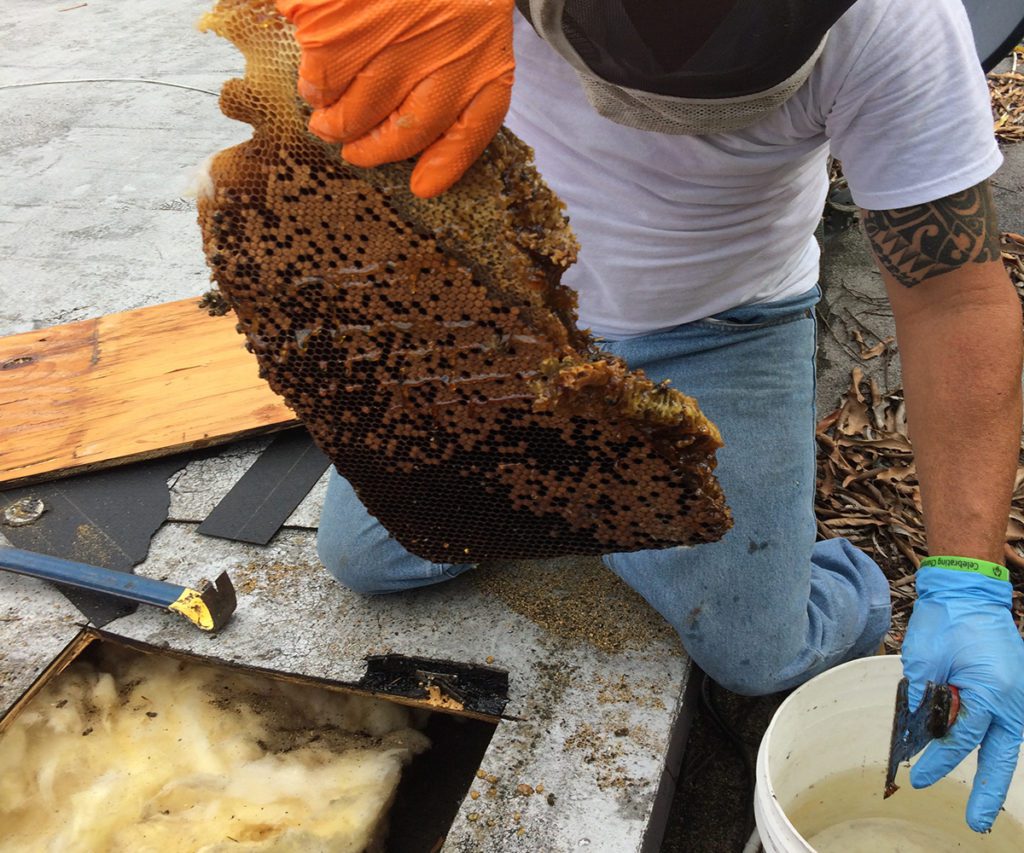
column 912, row 730
column 209, row 607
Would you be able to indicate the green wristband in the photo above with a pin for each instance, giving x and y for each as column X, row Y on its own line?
column 968, row 564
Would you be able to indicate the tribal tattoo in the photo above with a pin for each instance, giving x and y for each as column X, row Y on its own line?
column 927, row 240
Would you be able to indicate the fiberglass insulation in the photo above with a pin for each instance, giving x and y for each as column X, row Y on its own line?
column 145, row 753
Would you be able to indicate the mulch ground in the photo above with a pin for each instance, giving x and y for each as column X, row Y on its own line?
column 1007, row 91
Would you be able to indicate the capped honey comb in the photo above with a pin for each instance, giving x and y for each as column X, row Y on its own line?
column 428, row 345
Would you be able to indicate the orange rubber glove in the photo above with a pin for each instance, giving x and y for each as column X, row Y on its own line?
column 394, row 78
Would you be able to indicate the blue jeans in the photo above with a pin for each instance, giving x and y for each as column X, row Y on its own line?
column 766, row 607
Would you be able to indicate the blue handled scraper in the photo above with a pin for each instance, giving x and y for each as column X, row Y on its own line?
column 208, row 607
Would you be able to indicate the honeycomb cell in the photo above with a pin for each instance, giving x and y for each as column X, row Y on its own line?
column 429, row 346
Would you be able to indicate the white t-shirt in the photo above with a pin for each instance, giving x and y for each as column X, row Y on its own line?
column 676, row 228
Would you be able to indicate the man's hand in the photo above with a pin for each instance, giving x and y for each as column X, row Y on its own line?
column 394, row 78
column 962, row 633
column 958, row 320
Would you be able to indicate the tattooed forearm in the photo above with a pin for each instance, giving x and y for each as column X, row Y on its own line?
column 917, row 243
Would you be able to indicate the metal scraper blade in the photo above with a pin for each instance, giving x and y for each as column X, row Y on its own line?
column 912, row 730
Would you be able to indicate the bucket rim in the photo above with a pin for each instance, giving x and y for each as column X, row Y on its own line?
column 762, row 778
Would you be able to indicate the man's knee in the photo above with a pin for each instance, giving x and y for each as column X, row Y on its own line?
column 748, row 680
column 375, row 563
column 757, row 666
column 351, row 566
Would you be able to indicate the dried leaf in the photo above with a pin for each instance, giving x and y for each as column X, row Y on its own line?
column 837, row 523
column 896, row 444
column 898, row 473
column 1013, row 559
column 827, row 484
column 827, row 422
column 853, row 417
column 878, row 405
column 867, row 353
column 900, row 418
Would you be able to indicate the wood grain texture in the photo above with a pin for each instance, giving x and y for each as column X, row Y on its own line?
column 127, row 386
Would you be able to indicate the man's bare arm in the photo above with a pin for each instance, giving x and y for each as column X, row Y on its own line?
column 958, row 322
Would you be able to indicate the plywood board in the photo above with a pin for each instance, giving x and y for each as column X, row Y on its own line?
column 127, row 386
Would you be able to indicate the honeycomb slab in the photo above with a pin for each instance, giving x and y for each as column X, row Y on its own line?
column 429, row 346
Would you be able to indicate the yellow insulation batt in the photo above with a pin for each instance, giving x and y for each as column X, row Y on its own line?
column 146, row 753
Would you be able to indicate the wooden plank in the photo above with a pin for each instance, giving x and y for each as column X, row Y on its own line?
column 128, row 386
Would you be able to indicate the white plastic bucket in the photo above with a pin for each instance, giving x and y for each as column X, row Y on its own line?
column 840, row 723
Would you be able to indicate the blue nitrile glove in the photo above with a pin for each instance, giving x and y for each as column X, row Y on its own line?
column 962, row 633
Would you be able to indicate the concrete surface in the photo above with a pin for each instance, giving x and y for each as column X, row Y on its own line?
column 853, row 300
column 1006, row 189
column 95, row 174
column 594, row 727
column 36, row 623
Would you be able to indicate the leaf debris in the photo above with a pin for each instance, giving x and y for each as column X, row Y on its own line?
column 1007, row 94
column 868, row 492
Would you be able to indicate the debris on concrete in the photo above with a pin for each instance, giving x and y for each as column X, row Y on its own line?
column 577, row 600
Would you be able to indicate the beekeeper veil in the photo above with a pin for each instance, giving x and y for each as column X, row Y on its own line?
column 687, row 66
